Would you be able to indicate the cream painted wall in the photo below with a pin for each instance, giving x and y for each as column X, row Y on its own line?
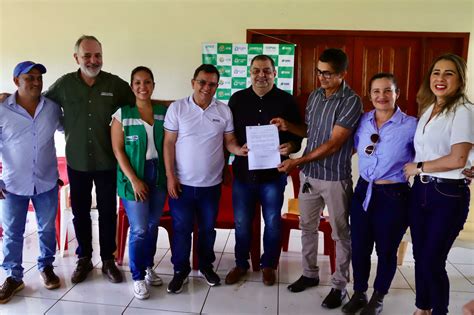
column 167, row 35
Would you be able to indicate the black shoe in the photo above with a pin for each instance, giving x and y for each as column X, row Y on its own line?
column 357, row 302
column 211, row 277
column 303, row 283
column 9, row 288
column 334, row 298
column 50, row 279
column 176, row 284
column 375, row 305
column 110, row 270
column 84, row 266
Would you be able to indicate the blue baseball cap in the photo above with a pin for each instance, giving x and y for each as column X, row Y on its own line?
column 26, row 66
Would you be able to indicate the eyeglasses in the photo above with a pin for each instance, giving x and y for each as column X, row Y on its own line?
column 265, row 71
column 203, row 83
column 325, row 74
column 370, row 149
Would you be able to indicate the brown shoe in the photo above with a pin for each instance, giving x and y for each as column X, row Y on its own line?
column 110, row 270
column 84, row 266
column 268, row 276
column 9, row 288
column 234, row 275
column 51, row 281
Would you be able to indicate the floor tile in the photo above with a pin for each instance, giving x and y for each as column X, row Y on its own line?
column 143, row 311
column 467, row 271
column 96, row 289
column 243, row 298
column 72, row 308
column 191, row 299
column 26, row 305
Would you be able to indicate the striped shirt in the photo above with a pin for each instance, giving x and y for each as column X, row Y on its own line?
column 343, row 109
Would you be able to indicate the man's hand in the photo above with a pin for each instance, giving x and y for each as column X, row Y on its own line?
column 244, row 150
column 469, row 172
column 286, row 148
column 140, row 190
column 410, row 169
column 4, row 96
column 287, row 166
column 281, row 124
column 2, row 194
column 174, row 187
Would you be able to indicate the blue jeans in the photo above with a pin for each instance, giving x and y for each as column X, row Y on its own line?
column 144, row 218
column 202, row 203
column 437, row 215
column 384, row 223
column 14, row 212
column 245, row 197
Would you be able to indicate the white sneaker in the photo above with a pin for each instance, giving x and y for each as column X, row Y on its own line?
column 140, row 290
column 152, row 277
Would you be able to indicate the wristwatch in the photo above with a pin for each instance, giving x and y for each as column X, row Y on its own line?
column 419, row 167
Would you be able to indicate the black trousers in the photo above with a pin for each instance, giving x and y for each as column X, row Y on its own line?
column 81, row 200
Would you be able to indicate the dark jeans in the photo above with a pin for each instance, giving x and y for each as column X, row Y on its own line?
column 245, row 197
column 437, row 215
column 81, row 200
column 384, row 223
column 202, row 203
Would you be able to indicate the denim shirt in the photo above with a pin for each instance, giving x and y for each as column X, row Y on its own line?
column 392, row 151
column 27, row 146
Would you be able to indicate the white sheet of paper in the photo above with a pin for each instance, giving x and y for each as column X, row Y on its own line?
column 263, row 143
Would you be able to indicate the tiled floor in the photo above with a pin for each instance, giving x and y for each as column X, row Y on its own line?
column 97, row 296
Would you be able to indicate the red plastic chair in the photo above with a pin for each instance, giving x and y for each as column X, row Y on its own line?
column 290, row 221
column 225, row 220
column 123, row 225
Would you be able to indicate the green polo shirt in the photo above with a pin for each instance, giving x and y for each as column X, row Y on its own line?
column 87, row 115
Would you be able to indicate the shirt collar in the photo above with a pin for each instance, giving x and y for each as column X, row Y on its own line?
column 339, row 94
column 98, row 78
column 265, row 95
column 213, row 102
column 11, row 101
column 396, row 117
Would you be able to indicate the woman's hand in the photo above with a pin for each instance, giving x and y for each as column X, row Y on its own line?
column 410, row 169
column 140, row 190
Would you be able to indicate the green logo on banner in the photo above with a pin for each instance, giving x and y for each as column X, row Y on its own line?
column 239, row 60
column 225, row 71
column 275, row 59
column 239, row 83
column 287, row 49
column 223, row 94
column 224, row 48
column 276, row 81
column 209, row 59
column 255, row 49
column 285, row 72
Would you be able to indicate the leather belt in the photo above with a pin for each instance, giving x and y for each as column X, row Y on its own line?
column 425, row 179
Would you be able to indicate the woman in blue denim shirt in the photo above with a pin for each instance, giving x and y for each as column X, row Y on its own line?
column 378, row 210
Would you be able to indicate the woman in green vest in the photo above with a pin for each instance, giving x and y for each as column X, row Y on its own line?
column 137, row 141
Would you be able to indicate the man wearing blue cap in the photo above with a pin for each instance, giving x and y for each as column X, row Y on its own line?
column 28, row 121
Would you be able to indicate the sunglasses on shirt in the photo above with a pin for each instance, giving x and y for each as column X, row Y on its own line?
column 370, row 149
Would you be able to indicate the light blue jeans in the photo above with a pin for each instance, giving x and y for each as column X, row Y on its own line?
column 144, row 218
column 14, row 210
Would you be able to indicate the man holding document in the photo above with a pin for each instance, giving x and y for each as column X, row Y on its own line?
column 256, row 178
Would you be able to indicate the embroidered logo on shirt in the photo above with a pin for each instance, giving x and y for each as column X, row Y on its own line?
column 106, row 94
column 131, row 138
column 215, row 120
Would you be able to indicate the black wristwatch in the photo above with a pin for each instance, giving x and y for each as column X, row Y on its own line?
column 419, row 167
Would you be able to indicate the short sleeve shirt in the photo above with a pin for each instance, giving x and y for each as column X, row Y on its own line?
column 434, row 139
column 199, row 146
column 343, row 109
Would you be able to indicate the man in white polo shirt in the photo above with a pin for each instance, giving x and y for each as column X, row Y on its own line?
column 196, row 128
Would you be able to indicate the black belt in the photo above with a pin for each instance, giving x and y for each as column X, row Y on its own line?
column 425, row 179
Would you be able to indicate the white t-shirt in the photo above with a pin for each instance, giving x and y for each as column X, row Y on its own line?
column 199, row 146
column 151, row 152
column 435, row 138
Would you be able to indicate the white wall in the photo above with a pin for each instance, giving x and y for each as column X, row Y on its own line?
column 167, row 35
